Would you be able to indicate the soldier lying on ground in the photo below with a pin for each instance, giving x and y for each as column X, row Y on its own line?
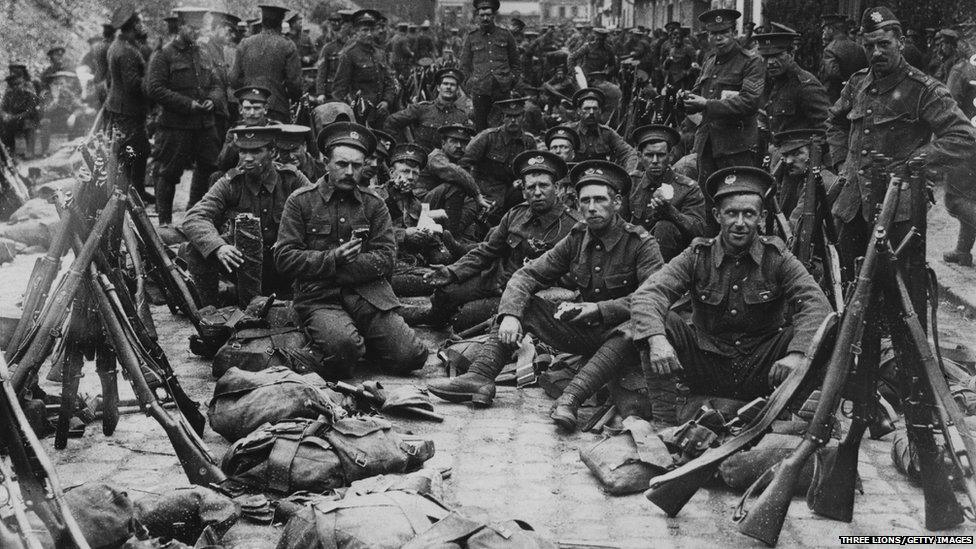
column 604, row 258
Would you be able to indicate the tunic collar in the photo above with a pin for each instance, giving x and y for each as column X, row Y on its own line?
column 646, row 179
column 268, row 180
column 756, row 250
column 609, row 238
column 889, row 81
column 327, row 190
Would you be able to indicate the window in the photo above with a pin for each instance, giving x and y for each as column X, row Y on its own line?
column 562, row 12
column 575, row 12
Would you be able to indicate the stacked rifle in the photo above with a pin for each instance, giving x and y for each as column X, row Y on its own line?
column 98, row 309
column 847, row 351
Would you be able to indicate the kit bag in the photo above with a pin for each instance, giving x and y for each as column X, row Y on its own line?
column 243, row 401
column 624, row 463
column 256, row 349
column 319, row 455
column 462, row 532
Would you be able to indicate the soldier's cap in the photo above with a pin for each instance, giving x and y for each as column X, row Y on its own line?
column 171, row 18
column 242, row 25
column 335, row 17
column 254, row 23
column 948, row 34
column 412, row 27
column 228, row 19
column 348, row 134
column 274, row 9
column 601, row 172
column 384, row 143
column 457, row 131
column 878, row 18
column 791, row 140
column 719, row 20
column 409, row 152
column 491, row 4
column 19, row 68
column 563, row 132
column 402, row 26
column 652, row 133
column 589, row 93
column 60, row 49
column 686, row 31
column 455, row 31
column 738, row 180
column 775, row 43
column 294, row 17
column 291, row 136
column 456, row 74
column 346, row 15
column 512, row 106
column 601, row 31
column 191, row 15
column 366, row 18
column 635, row 30
column 528, row 162
column 253, row 94
column 122, row 15
column 779, row 27
column 516, row 22
column 586, row 26
column 672, row 25
column 254, row 137
column 597, row 74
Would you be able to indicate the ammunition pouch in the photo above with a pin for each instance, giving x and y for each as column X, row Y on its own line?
column 216, row 327
column 256, row 349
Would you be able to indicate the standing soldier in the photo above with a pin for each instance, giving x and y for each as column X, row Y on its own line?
column 336, row 239
column 270, row 60
column 842, row 56
column 595, row 55
column 126, row 106
column 795, row 99
column 489, row 157
column 454, row 42
column 253, row 102
column 426, row 45
column 302, row 40
column 426, row 117
column 597, row 141
column 363, row 70
column 490, row 58
column 960, row 197
column 728, row 94
column 183, row 81
column 677, row 58
column 896, row 110
column 669, row 205
column 328, row 63
column 401, row 55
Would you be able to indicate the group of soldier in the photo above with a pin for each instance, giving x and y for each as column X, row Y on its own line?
column 487, row 194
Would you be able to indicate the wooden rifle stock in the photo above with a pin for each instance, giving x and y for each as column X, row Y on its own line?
column 808, row 223
column 765, row 520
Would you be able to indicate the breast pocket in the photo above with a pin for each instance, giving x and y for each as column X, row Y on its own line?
column 620, row 284
column 579, row 274
column 182, row 76
column 319, row 234
column 764, row 304
column 709, row 296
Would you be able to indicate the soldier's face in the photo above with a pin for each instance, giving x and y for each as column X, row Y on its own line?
column 797, row 160
column 563, row 148
column 776, row 64
column 486, row 17
column 404, row 174
column 189, row 33
column 253, row 112
column 590, row 112
column 513, row 122
column 371, row 167
column 454, row 147
column 365, row 33
column 883, row 49
column 722, row 40
column 255, row 160
column 448, row 89
column 539, row 191
column 345, row 166
column 738, row 217
column 655, row 158
column 599, row 205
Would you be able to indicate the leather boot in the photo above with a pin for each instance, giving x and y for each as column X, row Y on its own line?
column 963, row 259
column 478, row 384
column 564, row 414
column 597, row 372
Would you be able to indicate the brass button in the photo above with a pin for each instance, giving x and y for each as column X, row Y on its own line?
column 597, row 269
column 342, row 220
column 864, row 152
column 596, row 291
column 703, row 296
column 866, row 131
column 733, row 312
column 869, row 111
column 738, row 342
column 599, row 247
column 735, row 287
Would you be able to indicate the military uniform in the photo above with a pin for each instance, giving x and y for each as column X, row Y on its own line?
column 362, row 68
column 594, row 57
column 493, row 65
column 601, row 142
column 489, row 157
column 209, row 225
column 676, row 61
column 448, row 186
column 673, row 225
column 127, row 104
column 960, row 198
column 349, row 310
column 795, row 99
column 425, row 118
column 271, row 60
column 328, row 63
column 401, row 56
column 841, row 58
column 180, row 74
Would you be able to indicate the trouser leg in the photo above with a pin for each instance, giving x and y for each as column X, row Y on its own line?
column 481, row 105
column 172, row 157
column 614, row 355
column 389, row 341
column 670, row 239
column 133, row 132
column 445, row 302
column 579, row 340
column 206, row 147
column 333, row 331
column 205, row 273
column 852, row 239
column 963, row 209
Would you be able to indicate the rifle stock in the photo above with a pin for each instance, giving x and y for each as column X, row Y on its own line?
column 807, row 224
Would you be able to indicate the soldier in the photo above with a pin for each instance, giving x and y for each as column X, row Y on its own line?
column 363, row 69
column 795, row 99
column 793, row 147
column 595, row 54
column 563, row 142
column 489, row 157
column 401, row 55
column 475, row 282
column 677, row 60
column 291, row 150
column 599, row 142
column 182, row 79
column 56, row 57
column 426, row 45
column 336, row 239
column 842, row 56
column 253, row 101
column 19, row 110
column 426, row 117
column 612, row 94
column 271, row 60
column 490, row 58
column 898, row 111
column 376, row 171
column 947, row 40
column 126, row 105
column 302, row 40
column 669, row 205
column 454, row 42
column 406, row 162
column 960, row 198
column 448, row 186
column 727, row 93
column 605, row 258
column 328, row 63
column 257, row 186
column 739, row 344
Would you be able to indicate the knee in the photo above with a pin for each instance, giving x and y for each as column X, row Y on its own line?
column 347, row 347
column 669, row 238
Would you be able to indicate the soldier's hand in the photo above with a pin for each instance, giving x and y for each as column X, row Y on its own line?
column 439, row 278
column 230, row 257
column 659, row 357
column 781, row 368
column 694, row 103
column 510, row 330
column 484, row 203
column 347, row 252
column 585, row 314
column 383, row 106
column 208, row 105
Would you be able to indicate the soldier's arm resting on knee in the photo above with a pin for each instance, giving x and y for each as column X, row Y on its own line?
column 442, row 168
column 542, row 272
column 649, row 261
column 378, row 256
column 202, row 222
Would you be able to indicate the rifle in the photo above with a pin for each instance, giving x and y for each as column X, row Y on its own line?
column 809, row 220
column 672, row 490
column 765, row 520
column 36, row 476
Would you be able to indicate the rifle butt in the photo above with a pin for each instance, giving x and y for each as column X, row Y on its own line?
column 942, row 509
column 105, row 365
column 671, row 497
column 832, row 495
column 73, row 362
column 764, row 521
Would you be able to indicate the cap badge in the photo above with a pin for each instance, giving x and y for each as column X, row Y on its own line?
column 730, row 179
column 354, row 135
column 249, row 136
column 718, row 18
column 256, row 91
column 877, row 17
column 536, row 160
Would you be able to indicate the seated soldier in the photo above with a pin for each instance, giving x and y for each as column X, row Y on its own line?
column 425, row 118
column 790, row 177
column 64, row 110
column 563, row 141
column 407, row 159
column 669, row 205
column 739, row 345
column 257, row 186
column 597, row 141
column 253, row 102
column 376, row 170
column 524, row 233
column 604, row 258
column 292, row 149
column 336, row 240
